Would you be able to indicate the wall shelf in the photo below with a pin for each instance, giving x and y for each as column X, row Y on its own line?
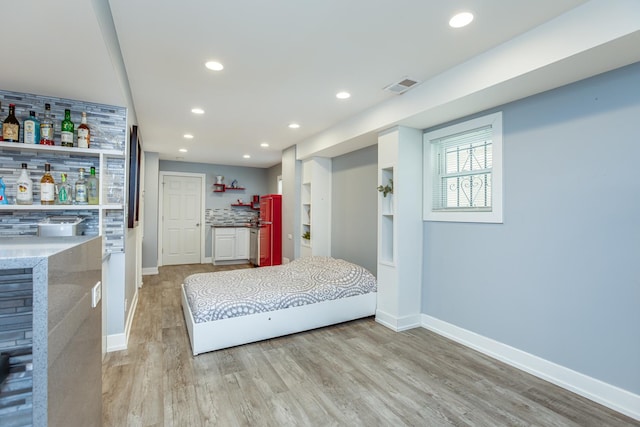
column 221, row 188
column 39, row 207
column 246, row 205
column 60, row 149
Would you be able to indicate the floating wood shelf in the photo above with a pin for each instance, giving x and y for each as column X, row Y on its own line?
column 247, row 205
column 221, row 188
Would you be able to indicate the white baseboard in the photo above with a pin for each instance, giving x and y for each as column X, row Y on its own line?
column 608, row 395
column 117, row 342
column 397, row 324
column 206, row 260
column 149, row 271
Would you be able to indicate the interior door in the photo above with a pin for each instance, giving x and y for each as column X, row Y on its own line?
column 181, row 220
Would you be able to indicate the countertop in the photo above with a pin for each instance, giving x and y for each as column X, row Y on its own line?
column 30, row 247
column 237, row 225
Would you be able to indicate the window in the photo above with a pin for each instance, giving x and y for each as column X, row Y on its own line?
column 463, row 171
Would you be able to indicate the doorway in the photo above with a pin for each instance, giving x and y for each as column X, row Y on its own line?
column 181, row 226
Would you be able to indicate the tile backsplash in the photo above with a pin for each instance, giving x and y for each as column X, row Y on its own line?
column 229, row 216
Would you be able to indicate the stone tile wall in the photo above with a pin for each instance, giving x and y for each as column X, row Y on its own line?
column 108, row 132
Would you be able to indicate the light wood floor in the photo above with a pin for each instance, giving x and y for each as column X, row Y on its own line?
column 354, row 374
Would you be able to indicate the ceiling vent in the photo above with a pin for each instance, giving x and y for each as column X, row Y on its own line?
column 402, row 86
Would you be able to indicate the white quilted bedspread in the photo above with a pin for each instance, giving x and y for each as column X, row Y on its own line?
column 225, row 294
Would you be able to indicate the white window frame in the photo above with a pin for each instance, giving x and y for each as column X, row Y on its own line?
column 430, row 163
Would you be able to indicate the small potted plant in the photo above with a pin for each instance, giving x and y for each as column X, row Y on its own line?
column 386, row 189
column 306, row 235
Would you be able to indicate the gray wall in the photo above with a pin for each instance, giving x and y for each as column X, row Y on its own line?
column 254, row 180
column 290, row 202
column 560, row 278
column 150, row 203
column 354, row 207
column 272, row 178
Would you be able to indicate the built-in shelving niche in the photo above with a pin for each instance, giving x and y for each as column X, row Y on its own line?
column 386, row 219
column 306, row 213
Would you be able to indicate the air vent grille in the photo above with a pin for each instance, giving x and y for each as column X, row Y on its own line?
column 402, row 86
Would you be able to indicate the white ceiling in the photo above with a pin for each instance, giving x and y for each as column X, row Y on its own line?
column 284, row 61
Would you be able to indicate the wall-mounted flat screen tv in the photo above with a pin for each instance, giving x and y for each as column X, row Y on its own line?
column 135, row 152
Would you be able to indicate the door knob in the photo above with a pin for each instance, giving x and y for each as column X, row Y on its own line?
column 198, row 225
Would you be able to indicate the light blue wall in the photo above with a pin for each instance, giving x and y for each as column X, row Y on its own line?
column 354, row 205
column 272, row 178
column 254, row 180
column 150, row 203
column 560, row 278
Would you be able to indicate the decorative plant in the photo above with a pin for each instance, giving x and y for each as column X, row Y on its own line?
column 387, row 189
column 306, row 235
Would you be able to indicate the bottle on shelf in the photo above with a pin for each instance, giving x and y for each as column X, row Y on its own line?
column 1, row 128
column 93, row 187
column 47, row 187
column 31, row 128
column 66, row 130
column 84, row 133
column 11, row 126
column 24, row 187
column 64, row 191
column 46, row 127
column 3, row 196
column 81, row 189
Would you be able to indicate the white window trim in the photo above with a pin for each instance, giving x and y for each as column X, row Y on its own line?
column 471, row 215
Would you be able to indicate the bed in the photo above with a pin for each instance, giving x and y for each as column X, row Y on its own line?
column 229, row 308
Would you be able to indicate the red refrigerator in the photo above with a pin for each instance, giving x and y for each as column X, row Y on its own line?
column 270, row 230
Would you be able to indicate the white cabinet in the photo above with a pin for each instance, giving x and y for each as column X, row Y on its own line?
column 315, row 214
column 242, row 243
column 230, row 244
column 400, row 229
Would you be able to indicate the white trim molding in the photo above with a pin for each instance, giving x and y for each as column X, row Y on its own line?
column 397, row 324
column 608, row 395
column 117, row 342
column 150, row 271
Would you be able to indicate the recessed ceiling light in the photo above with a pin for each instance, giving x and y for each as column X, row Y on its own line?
column 293, row 126
column 246, row 156
column 461, row 20
column 188, row 136
column 343, row 95
column 183, row 150
column 197, row 111
column 214, row 65
column 264, row 145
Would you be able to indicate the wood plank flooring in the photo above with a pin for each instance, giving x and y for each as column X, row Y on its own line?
column 353, row 374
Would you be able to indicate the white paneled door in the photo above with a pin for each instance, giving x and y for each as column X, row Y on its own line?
column 181, row 220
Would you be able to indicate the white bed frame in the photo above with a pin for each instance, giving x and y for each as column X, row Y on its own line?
column 214, row 335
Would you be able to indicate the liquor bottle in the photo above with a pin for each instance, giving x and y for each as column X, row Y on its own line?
column 47, row 187
column 66, row 130
column 81, row 189
column 46, row 127
column 24, row 187
column 11, row 126
column 3, row 196
column 64, row 191
column 84, row 133
column 93, row 187
column 31, row 128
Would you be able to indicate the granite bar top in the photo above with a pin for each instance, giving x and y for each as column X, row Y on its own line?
column 22, row 251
